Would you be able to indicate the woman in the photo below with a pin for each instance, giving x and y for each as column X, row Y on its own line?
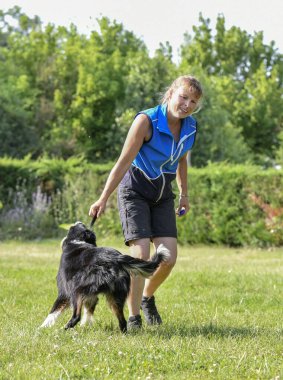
column 154, row 153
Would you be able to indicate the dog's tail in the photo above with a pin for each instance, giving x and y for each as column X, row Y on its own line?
column 142, row 267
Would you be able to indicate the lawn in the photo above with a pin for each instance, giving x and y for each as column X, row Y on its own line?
column 221, row 309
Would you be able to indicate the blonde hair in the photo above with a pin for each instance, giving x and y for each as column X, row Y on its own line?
column 186, row 80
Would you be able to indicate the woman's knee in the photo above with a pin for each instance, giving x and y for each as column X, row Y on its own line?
column 170, row 262
column 171, row 245
column 140, row 248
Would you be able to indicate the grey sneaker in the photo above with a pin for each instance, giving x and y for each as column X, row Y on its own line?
column 149, row 309
column 134, row 323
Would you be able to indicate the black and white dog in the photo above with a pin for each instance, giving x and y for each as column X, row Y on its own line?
column 86, row 271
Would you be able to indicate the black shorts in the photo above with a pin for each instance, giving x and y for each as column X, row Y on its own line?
column 142, row 218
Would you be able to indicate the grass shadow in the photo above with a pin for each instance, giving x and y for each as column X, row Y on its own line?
column 213, row 331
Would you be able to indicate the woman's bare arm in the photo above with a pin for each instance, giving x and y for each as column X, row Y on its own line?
column 138, row 133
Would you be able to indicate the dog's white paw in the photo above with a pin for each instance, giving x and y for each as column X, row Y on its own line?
column 50, row 320
column 87, row 318
column 86, row 322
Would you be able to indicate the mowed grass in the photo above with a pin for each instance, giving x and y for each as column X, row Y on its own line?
column 221, row 307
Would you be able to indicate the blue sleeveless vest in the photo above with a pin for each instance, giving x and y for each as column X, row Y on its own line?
column 155, row 166
column 161, row 153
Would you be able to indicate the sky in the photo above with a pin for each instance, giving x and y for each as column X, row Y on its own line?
column 156, row 21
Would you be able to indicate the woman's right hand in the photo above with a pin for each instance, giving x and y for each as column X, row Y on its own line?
column 97, row 208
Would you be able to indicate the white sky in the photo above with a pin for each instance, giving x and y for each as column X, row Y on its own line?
column 160, row 20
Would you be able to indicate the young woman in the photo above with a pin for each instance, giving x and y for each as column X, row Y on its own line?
column 154, row 154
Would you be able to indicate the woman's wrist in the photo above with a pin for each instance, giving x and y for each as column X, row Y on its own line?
column 104, row 197
column 183, row 196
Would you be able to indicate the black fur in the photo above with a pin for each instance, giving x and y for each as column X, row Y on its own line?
column 86, row 271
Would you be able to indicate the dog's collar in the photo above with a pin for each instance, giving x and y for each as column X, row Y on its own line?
column 78, row 241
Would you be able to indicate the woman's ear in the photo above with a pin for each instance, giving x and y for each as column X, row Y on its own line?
column 170, row 93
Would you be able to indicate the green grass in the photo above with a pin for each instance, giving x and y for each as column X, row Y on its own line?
column 222, row 313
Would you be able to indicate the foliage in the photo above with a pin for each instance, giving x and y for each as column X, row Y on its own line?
column 234, row 205
column 243, row 105
column 49, row 174
column 220, row 310
column 218, row 138
column 28, row 215
column 65, row 94
column 72, row 97
column 279, row 153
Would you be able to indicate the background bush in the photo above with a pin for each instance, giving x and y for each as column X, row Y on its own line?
column 233, row 205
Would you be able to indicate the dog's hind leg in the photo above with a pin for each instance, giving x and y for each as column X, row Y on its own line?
column 89, row 307
column 58, row 307
column 117, row 305
column 77, row 309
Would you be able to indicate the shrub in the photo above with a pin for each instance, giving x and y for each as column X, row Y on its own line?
column 232, row 205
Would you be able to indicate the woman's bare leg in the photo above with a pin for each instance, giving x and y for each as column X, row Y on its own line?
column 164, row 269
column 139, row 249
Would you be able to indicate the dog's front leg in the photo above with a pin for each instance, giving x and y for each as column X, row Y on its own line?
column 77, row 310
column 59, row 306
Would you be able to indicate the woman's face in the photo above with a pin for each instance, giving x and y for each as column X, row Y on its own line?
column 183, row 102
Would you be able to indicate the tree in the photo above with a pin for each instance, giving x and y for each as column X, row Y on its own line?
column 247, row 79
column 218, row 139
column 18, row 135
column 100, row 92
column 258, row 111
column 66, row 94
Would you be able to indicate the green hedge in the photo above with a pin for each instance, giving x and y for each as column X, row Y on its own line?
column 232, row 205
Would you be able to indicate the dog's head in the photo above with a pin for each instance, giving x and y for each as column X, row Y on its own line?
column 79, row 233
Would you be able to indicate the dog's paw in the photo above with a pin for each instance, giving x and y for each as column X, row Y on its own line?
column 87, row 320
column 50, row 320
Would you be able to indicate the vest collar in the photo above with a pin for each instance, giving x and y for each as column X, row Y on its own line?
column 187, row 126
column 162, row 123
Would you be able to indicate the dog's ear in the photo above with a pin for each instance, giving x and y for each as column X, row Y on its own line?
column 76, row 231
column 63, row 241
column 90, row 237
